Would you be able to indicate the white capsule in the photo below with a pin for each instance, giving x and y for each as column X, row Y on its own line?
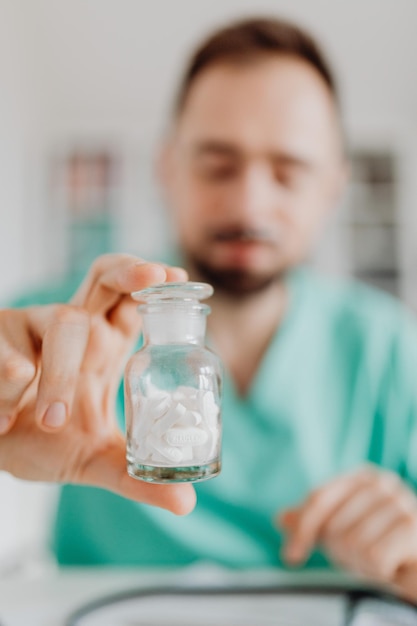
column 186, row 437
column 176, row 412
column 187, row 453
column 214, row 444
column 191, row 418
column 180, row 427
column 170, row 453
column 187, row 396
column 202, row 453
column 209, row 409
column 158, row 458
column 156, row 407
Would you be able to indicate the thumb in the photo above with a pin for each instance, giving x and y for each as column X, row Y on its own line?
column 107, row 469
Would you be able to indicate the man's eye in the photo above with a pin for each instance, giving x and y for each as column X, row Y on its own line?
column 289, row 177
column 220, row 172
column 285, row 177
column 216, row 171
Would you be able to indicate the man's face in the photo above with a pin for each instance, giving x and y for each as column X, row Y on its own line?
column 253, row 166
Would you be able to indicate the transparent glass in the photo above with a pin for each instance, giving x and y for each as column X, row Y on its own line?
column 173, row 389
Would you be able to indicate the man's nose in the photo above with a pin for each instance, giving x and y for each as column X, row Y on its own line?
column 256, row 195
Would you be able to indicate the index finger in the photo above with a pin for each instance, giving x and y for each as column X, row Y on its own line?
column 114, row 276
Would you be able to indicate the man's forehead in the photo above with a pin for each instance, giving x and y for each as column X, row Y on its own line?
column 274, row 100
column 274, row 81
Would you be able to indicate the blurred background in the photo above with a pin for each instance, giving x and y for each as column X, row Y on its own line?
column 85, row 91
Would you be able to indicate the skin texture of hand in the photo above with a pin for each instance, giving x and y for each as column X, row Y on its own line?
column 60, row 369
column 366, row 522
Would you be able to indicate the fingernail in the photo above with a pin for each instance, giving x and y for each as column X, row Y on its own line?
column 4, row 424
column 55, row 416
column 180, row 270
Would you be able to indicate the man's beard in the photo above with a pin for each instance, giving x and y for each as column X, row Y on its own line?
column 236, row 283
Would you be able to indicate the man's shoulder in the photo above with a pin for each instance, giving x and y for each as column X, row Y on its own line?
column 352, row 306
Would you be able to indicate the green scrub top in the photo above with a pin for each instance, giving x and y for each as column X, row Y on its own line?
column 337, row 387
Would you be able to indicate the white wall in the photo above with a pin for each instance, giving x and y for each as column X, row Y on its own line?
column 21, row 133
column 116, row 62
column 104, row 71
column 16, row 126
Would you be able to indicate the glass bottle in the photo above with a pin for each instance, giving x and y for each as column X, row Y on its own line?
column 173, row 389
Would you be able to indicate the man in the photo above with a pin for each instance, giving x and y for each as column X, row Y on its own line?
column 319, row 377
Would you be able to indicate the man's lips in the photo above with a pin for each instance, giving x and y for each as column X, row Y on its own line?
column 241, row 252
column 251, row 244
column 244, row 236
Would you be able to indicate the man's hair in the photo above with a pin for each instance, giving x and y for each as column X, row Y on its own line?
column 252, row 39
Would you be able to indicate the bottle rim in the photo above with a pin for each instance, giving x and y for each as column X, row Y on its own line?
column 173, row 292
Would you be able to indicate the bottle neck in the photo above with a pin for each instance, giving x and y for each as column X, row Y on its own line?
column 173, row 323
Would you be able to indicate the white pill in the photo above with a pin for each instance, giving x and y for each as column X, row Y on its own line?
column 209, row 408
column 201, row 454
column 158, row 458
column 214, row 444
column 187, row 453
column 191, row 418
column 186, row 437
column 147, row 411
column 156, row 407
column 180, row 427
column 187, row 396
column 176, row 412
column 170, row 453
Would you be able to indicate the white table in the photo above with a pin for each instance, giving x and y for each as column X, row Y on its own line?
column 46, row 600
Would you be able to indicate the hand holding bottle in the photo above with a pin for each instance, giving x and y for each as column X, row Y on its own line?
column 60, row 367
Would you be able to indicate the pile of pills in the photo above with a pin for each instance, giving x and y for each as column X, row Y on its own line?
column 175, row 428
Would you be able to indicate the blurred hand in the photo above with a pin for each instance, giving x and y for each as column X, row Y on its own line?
column 366, row 522
column 60, row 369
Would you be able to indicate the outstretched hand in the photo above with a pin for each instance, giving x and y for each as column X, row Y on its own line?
column 60, row 369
